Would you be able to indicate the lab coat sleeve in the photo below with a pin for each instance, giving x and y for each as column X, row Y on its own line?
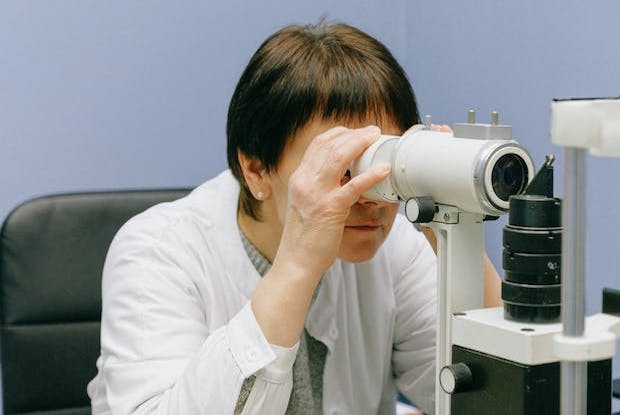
column 413, row 356
column 159, row 353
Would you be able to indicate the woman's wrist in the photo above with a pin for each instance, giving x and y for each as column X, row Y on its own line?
column 281, row 301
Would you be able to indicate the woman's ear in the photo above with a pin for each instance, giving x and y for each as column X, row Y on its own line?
column 255, row 176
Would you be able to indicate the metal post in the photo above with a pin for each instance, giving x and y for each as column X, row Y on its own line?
column 574, row 374
column 460, row 281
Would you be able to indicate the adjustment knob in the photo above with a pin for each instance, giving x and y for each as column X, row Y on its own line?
column 420, row 209
column 455, row 378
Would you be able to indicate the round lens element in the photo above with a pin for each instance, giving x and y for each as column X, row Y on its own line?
column 509, row 176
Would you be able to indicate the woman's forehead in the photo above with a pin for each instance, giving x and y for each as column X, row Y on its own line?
column 297, row 144
column 316, row 126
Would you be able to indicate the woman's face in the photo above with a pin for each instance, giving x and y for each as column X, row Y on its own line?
column 369, row 221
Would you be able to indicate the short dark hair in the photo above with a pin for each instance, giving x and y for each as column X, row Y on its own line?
column 303, row 72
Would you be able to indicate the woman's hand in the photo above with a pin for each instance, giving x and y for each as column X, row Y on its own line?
column 319, row 200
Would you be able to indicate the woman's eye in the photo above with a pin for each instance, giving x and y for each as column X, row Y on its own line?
column 346, row 177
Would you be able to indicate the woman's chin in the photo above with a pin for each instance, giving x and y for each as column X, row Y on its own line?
column 360, row 251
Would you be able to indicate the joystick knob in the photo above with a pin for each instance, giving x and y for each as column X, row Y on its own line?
column 455, row 378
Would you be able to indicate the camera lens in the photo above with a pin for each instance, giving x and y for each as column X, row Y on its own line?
column 509, row 176
column 531, row 289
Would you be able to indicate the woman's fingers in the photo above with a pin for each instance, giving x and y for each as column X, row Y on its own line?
column 442, row 128
column 351, row 191
column 331, row 153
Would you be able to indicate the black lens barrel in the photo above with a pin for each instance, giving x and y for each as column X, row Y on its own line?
column 532, row 261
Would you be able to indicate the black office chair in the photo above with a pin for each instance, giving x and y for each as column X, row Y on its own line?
column 52, row 251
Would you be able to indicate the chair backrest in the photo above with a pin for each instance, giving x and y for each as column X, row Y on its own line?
column 52, row 251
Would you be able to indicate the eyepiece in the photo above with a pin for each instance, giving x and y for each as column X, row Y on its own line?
column 474, row 175
column 506, row 169
column 509, row 176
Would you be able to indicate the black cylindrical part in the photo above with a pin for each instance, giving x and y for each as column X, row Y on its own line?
column 532, row 242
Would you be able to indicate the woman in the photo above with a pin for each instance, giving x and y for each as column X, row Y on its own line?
column 276, row 287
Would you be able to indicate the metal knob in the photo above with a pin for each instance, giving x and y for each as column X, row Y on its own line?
column 420, row 209
column 455, row 378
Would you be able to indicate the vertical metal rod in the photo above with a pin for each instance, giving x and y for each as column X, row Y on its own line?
column 574, row 374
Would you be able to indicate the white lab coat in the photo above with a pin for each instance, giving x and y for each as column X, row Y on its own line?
column 178, row 335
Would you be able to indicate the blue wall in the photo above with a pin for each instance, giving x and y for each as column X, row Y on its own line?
column 117, row 94
column 102, row 95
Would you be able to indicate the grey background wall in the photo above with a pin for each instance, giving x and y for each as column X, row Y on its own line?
column 117, row 94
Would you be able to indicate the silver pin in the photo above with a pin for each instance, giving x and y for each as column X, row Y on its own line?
column 471, row 117
column 494, row 118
